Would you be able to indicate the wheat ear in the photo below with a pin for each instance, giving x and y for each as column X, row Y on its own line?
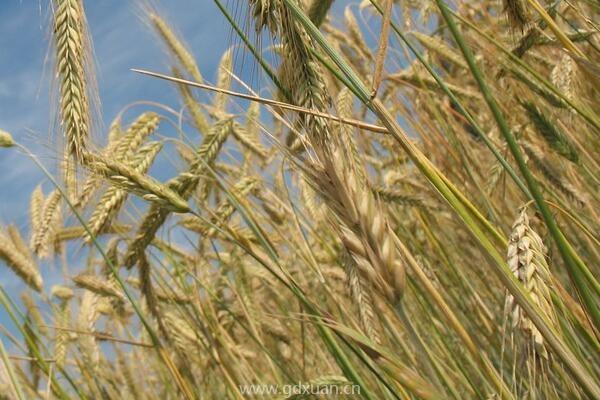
column 126, row 177
column 72, row 48
column 62, row 318
column 527, row 260
column 113, row 199
column 43, row 236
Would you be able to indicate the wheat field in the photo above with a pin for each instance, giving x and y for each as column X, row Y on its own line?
column 394, row 201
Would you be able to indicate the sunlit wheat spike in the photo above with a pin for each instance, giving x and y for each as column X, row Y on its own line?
column 43, row 236
column 126, row 177
column 18, row 241
column 114, row 130
column 21, row 265
column 362, row 226
column 87, row 315
column 344, row 105
column 73, row 70
column 98, row 285
column 362, row 298
column 62, row 319
column 370, row 242
column 34, row 312
column 113, row 199
column 36, row 206
column 127, row 144
column 185, row 337
column 160, row 294
column 69, row 170
column 526, row 258
column 564, row 76
column 62, row 292
column 223, row 81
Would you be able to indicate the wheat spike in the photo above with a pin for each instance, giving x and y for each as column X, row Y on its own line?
column 226, row 208
column 36, row 207
column 441, row 48
column 121, row 146
column 113, row 199
column 62, row 318
column 70, row 37
column 43, row 236
column 23, row 266
column 248, row 140
column 18, row 241
column 527, row 260
column 124, row 148
column 87, row 316
column 362, row 298
column 223, row 81
column 34, row 312
column 362, row 227
column 564, row 76
column 99, row 286
column 126, row 177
